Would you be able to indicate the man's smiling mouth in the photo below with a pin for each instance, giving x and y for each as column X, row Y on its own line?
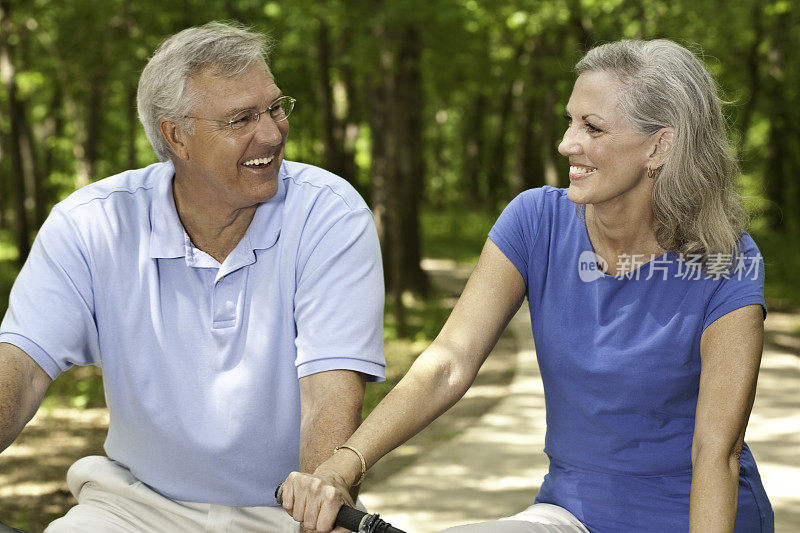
column 259, row 162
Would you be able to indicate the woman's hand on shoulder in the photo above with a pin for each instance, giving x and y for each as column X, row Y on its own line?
column 315, row 499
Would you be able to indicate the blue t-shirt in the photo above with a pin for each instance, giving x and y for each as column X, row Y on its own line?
column 620, row 363
column 201, row 360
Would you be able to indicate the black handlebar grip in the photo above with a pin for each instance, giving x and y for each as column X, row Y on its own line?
column 355, row 520
column 350, row 518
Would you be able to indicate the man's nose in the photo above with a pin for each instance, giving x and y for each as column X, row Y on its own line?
column 268, row 131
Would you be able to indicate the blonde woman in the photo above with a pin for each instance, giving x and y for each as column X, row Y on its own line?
column 646, row 298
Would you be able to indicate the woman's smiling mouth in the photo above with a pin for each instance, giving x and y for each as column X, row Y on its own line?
column 576, row 171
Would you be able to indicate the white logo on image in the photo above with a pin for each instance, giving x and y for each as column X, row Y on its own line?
column 590, row 266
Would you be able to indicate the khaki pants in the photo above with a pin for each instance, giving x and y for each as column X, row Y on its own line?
column 539, row 518
column 111, row 500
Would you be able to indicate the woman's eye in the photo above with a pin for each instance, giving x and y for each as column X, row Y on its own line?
column 568, row 119
column 592, row 128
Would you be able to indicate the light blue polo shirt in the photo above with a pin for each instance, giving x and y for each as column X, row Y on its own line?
column 200, row 360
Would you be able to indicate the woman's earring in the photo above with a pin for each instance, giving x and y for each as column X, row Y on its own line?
column 651, row 173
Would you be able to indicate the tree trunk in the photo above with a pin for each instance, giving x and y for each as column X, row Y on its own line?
column 32, row 177
column 473, row 148
column 383, row 176
column 497, row 164
column 4, row 185
column 133, row 128
column 517, row 180
column 754, row 75
column 53, row 128
column 531, row 156
column 380, row 166
column 393, row 235
column 350, row 119
column 410, row 163
column 94, row 125
column 777, row 172
column 15, row 118
column 333, row 157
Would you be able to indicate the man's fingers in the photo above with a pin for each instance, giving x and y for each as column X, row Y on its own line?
column 287, row 494
column 313, row 501
column 332, row 501
column 311, row 516
column 299, row 509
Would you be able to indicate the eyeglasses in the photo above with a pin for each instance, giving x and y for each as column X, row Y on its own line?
column 245, row 121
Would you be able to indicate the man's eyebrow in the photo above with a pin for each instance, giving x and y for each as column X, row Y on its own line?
column 236, row 110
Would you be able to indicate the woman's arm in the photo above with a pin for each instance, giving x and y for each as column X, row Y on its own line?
column 438, row 379
column 730, row 350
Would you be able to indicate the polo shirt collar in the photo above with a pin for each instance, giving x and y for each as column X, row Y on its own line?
column 166, row 231
column 168, row 238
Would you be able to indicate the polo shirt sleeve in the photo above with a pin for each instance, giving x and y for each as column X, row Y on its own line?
column 51, row 309
column 742, row 285
column 339, row 299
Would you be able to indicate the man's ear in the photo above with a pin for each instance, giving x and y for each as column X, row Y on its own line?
column 665, row 139
column 175, row 136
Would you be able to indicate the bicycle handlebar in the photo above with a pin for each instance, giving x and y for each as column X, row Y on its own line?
column 354, row 519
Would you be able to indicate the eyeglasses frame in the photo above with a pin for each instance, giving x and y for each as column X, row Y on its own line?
column 257, row 115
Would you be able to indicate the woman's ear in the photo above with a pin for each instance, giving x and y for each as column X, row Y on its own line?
column 665, row 138
column 175, row 136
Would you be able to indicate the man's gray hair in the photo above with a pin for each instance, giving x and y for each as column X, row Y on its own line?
column 696, row 207
column 220, row 49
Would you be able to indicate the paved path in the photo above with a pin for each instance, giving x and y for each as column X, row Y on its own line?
column 494, row 467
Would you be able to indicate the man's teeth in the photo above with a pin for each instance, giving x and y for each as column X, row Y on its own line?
column 259, row 161
column 580, row 170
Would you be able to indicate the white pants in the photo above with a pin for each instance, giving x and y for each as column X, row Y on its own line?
column 112, row 500
column 538, row 518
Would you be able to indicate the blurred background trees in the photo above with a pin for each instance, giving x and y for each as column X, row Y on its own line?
column 426, row 106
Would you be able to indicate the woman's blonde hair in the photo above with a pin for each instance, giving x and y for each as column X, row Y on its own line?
column 696, row 206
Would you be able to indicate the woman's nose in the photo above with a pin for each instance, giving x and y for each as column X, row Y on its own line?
column 569, row 144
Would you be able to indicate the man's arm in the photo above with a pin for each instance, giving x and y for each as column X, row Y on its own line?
column 22, row 387
column 730, row 350
column 330, row 404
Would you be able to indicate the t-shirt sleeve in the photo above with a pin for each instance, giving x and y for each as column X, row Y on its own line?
column 517, row 227
column 742, row 285
column 339, row 300
column 51, row 306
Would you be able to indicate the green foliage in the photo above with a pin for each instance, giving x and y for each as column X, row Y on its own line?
column 455, row 233
column 782, row 269
column 483, row 62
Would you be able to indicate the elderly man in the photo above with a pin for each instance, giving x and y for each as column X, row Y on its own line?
column 233, row 300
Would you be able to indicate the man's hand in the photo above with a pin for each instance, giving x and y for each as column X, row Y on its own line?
column 315, row 499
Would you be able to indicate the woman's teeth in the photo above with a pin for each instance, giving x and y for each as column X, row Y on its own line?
column 259, row 161
column 580, row 170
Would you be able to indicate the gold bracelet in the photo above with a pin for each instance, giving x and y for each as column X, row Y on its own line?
column 360, row 457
